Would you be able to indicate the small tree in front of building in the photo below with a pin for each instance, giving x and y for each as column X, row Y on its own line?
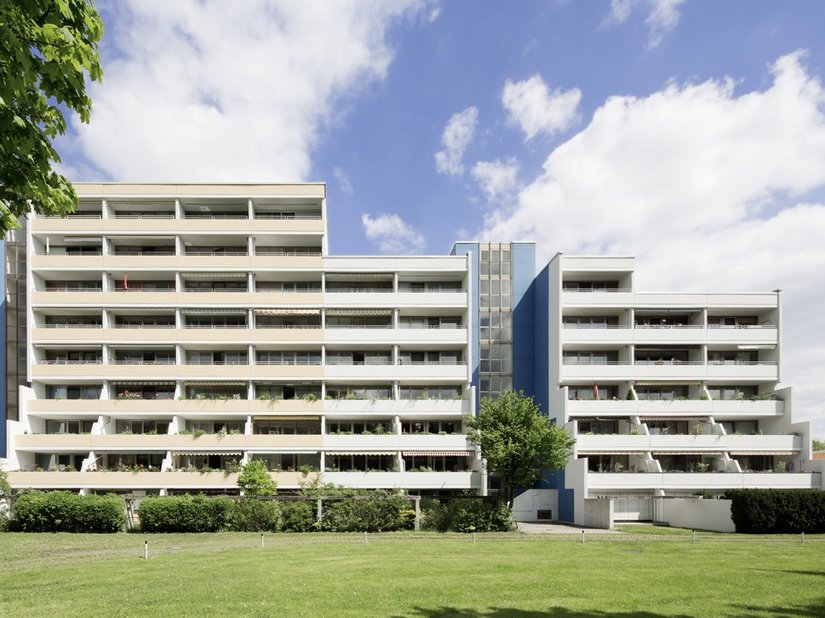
column 254, row 479
column 517, row 442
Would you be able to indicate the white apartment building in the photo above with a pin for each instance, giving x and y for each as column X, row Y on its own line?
column 667, row 394
column 176, row 331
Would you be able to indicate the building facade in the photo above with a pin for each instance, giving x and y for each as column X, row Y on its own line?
column 667, row 395
column 177, row 331
column 163, row 335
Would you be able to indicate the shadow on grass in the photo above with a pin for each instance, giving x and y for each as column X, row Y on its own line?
column 792, row 610
column 511, row 612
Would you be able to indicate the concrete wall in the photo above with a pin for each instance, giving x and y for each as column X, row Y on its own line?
column 527, row 504
column 694, row 513
column 598, row 513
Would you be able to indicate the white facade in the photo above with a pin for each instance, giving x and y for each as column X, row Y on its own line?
column 175, row 331
column 667, row 394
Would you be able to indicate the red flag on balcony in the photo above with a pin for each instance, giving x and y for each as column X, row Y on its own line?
column 125, row 282
column 595, row 391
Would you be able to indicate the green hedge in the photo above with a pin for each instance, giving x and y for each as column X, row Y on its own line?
column 379, row 513
column 184, row 514
column 777, row 511
column 471, row 515
column 251, row 515
column 298, row 516
column 63, row 511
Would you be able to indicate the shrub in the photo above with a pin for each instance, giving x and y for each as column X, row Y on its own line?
column 251, row 515
column 474, row 515
column 378, row 513
column 298, row 516
column 433, row 513
column 63, row 511
column 184, row 513
column 776, row 511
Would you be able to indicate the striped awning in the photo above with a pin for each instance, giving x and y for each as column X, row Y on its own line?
column 459, row 453
column 360, row 453
column 746, row 453
column 213, row 275
column 287, row 311
column 695, row 419
column 359, row 276
column 214, row 311
column 755, row 347
column 358, row 312
column 595, row 453
column 207, row 453
column 286, row 418
column 198, row 383
column 143, row 383
column 694, row 452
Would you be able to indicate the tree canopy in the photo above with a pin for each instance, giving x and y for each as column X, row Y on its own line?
column 254, row 480
column 47, row 47
column 818, row 445
column 517, row 442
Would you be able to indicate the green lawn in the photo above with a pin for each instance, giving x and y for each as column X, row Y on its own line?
column 426, row 575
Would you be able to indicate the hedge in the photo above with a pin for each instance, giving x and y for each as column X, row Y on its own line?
column 298, row 516
column 251, row 515
column 184, row 513
column 63, row 511
column 777, row 511
column 474, row 515
column 378, row 513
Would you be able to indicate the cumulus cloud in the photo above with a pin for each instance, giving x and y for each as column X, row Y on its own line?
column 709, row 189
column 662, row 16
column 391, row 234
column 496, row 178
column 458, row 133
column 535, row 109
column 219, row 91
column 343, row 179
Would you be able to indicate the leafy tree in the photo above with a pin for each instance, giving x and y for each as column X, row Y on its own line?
column 517, row 442
column 46, row 49
column 254, row 479
column 819, row 445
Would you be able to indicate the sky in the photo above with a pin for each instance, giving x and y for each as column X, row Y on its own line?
column 687, row 133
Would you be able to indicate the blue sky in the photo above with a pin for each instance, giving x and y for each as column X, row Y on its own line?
column 690, row 133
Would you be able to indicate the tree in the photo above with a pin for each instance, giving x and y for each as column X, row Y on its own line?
column 254, row 479
column 819, row 445
column 46, row 49
column 517, row 442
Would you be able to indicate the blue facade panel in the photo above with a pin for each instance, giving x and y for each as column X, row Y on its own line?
column 541, row 363
column 524, row 316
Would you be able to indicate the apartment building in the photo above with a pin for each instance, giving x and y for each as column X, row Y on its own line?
column 177, row 331
column 667, row 395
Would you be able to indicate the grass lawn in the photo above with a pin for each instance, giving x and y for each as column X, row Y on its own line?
column 412, row 574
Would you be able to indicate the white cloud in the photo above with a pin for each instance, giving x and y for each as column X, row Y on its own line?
column 343, row 179
column 662, row 16
column 533, row 107
column 496, row 178
column 707, row 188
column 392, row 235
column 216, row 91
column 458, row 133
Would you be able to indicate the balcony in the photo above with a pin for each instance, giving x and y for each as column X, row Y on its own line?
column 691, row 443
column 395, row 442
column 413, row 480
column 699, row 407
column 395, row 372
column 139, row 480
column 675, row 481
column 665, row 370
column 432, row 408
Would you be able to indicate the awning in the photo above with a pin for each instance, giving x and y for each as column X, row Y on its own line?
column 756, row 347
column 193, row 383
column 694, row 452
column 127, row 237
column 231, row 454
column 212, row 275
column 746, row 453
column 595, row 453
column 142, row 383
column 666, row 383
column 358, row 312
column 695, row 419
column 90, row 240
column 345, row 453
column 286, row 418
column 439, row 453
column 359, row 276
column 285, row 311
column 214, row 311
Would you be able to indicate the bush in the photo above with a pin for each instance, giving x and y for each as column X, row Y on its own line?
column 63, row 511
column 433, row 513
column 777, row 511
column 474, row 515
column 378, row 513
column 184, row 513
column 251, row 515
column 298, row 516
